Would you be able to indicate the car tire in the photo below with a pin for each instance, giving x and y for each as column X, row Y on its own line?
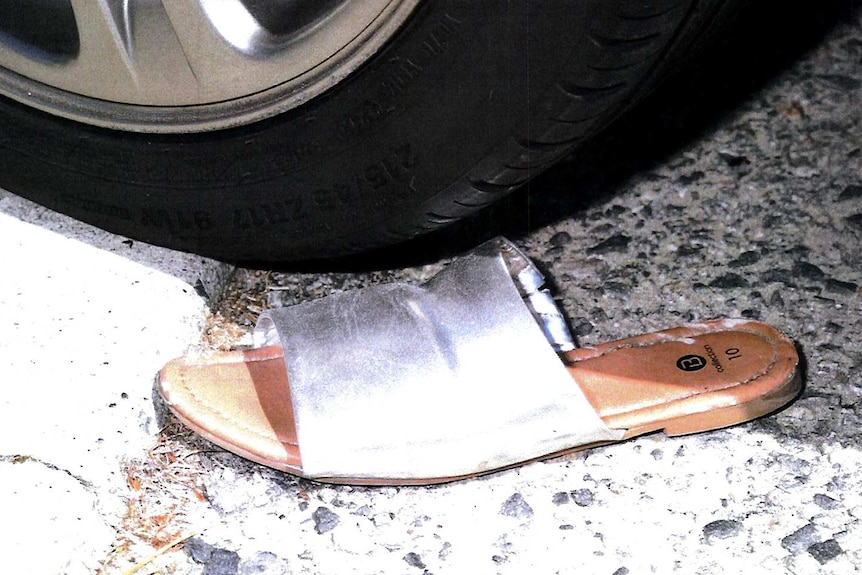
column 468, row 101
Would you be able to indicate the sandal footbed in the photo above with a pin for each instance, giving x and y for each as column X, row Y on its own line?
column 240, row 400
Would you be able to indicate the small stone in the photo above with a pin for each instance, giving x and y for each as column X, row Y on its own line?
column 751, row 314
column 850, row 192
column 561, row 498
column 689, row 250
column 516, row 506
column 801, row 468
column 560, row 239
column 583, row 497
column 801, row 539
column 614, row 211
column 785, row 277
column 616, row 288
column 833, row 327
column 414, row 560
column 566, row 527
column 841, row 288
column 776, row 301
column 729, row 281
column 222, row 562
column 581, row 326
column 825, row 551
column 263, row 563
column 808, row 270
column 825, row 502
column 498, row 559
column 622, row 571
column 324, row 520
column 691, row 178
column 734, row 160
column 201, row 290
column 615, row 243
column 364, row 511
column 722, row 529
column 855, row 220
column 599, row 315
column 198, row 549
column 745, row 259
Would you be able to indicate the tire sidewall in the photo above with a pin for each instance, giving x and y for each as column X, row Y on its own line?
column 323, row 178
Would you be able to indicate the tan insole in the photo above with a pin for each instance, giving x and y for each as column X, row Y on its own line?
column 676, row 380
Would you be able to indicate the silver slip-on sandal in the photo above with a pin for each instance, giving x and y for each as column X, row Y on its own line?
column 471, row 372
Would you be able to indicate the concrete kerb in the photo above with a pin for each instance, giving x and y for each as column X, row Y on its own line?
column 86, row 320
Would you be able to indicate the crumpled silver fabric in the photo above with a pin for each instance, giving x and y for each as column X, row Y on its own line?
column 445, row 379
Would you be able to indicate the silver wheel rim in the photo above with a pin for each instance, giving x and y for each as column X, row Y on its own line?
column 179, row 66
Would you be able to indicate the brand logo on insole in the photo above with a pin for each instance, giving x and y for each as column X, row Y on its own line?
column 691, row 362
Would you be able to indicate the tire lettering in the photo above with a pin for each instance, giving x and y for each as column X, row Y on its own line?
column 400, row 74
column 396, row 166
column 406, row 71
column 365, row 115
column 271, row 214
column 175, row 219
column 437, row 40
column 95, row 207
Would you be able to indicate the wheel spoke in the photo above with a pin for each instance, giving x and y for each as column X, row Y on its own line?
column 186, row 63
column 139, row 35
column 217, row 39
column 102, row 42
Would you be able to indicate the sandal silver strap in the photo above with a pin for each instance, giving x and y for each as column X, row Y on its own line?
column 445, row 379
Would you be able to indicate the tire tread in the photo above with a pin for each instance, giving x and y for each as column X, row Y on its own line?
column 593, row 90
